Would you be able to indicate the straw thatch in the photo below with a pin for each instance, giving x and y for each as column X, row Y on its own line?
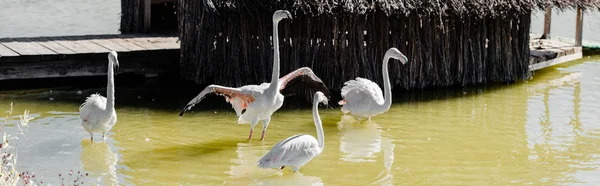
column 163, row 17
column 132, row 16
column 450, row 42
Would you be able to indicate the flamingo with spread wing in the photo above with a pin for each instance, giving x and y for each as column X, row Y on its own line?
column 261, row 101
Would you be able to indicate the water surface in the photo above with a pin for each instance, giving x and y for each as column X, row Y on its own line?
column 543, row 131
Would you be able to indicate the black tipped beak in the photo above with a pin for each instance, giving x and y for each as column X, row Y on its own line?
column 404, row 60
column 181, row 113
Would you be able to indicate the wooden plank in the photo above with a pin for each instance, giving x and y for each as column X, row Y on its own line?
column 579, row 27
column 147, row 6
column 109, row 45
column 59, row 49
column 69, row 68
column 39, row 49
column 20, row 47
column 555, row 61
column 71, row 45
column 87, row 43
column 6, row 52
column 157, row 43
column 126, row 44
column 166, row 42
column 144, row 42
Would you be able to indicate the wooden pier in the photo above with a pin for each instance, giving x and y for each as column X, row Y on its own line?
column 46, row 57
column 545, row 53
column 73, row 56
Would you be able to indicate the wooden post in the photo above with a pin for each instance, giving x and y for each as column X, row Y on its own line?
column 547, row 22
column 147, row 4
column 579, row 27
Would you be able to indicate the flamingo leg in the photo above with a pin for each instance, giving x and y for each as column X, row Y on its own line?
column 103, row 138
column 265, row 125
column 252, row 125
column 91, row 137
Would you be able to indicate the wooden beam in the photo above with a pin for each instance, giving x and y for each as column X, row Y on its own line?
column 6, row 52
column 147, row 6
column 555, row 61
column 579, row 27
column 547, row 22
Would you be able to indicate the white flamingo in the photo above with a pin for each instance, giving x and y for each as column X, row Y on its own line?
column 363, row 98
column 261, row 101
column 97, row 112
column 299, row 149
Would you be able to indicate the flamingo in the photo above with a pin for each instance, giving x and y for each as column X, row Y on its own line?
column 299, row 149
column 97, row 112
column 363, row 98
column 261, row 101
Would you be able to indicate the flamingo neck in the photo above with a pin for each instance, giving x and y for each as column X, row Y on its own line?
column 318, row 124
column 275, row 76
column 387, row 88
column 110, row 87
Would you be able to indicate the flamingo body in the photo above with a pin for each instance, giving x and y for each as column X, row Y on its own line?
column 259, row 110
column 363, row 98
column 294, row 152
column 94, row 116
column 363, row 94
column 299, row 149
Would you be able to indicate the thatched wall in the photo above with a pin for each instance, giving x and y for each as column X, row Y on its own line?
column 227, row 42
column 132, row 16
column 163, row 17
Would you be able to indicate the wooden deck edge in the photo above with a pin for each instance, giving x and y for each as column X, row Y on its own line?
column 555, row 61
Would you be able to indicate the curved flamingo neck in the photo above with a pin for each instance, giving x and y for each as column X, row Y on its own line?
column 110, row 87
column 275, row 76
column 387, row 87
column 318, row 124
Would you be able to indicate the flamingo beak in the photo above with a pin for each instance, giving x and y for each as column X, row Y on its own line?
column 403, row 59
column 116, row 66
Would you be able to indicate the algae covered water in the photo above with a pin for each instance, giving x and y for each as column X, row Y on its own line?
column 543, row 131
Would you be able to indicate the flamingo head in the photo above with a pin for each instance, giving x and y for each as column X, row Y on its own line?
column 320, row 98
column 281, row 14
column 112, row 57
column 396, row 54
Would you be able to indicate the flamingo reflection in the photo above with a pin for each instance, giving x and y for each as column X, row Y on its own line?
column 99, row 162
column 361, row 141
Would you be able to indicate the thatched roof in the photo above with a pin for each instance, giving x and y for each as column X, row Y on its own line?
column 488, row 8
